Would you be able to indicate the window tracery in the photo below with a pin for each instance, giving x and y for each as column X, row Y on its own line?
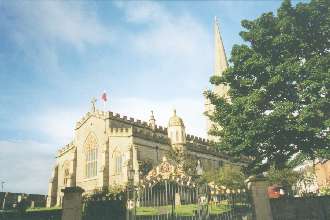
column 90, row 156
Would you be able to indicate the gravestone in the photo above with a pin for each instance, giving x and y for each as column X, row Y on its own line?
column 177, row 199
column 32, row 205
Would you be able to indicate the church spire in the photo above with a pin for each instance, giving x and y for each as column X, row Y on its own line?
column 220, row 59
column 220, row 65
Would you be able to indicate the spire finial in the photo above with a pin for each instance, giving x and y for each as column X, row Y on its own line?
column 93, row 104
column 152, row 120
column 220, row 63
column 152, row 117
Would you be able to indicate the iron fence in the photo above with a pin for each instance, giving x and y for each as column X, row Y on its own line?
column 171, row 200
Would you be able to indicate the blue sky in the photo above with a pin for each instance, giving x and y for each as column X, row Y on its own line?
column 56, row 55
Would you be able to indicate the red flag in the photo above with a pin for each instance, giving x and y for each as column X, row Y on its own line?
column 104, row 96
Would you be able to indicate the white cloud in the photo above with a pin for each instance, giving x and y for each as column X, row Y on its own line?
column 140, row 12
column 58, row 20
column 25, row 165
column 167, row 35
column 54, row 123
column 175, row 47
column 39, row 30
column 184, row 40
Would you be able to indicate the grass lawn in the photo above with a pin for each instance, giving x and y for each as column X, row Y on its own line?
column 182, row 210
column 36, row 209
column 186, row 210
column 146, row 211
column 218, row 209
column 41, row 209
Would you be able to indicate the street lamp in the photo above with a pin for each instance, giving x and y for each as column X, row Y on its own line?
column 2, row 184
column 202, row 189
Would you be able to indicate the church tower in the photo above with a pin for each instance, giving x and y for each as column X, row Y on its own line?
column 176, row 131
column 220, row 65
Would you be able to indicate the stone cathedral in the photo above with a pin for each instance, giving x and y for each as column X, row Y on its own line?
column 105, row 143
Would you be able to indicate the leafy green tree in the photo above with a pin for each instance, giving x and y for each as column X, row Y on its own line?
column 288, row 178
column 145, row 166
column 279, row 88
column 285, row 177
column 325, row 190
column 184, row 159
column 229, row 176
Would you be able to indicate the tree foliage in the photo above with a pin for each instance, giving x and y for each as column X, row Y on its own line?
column 144, row 167
column 279, row 87
column 184, row 159
column 111, row 192
column 325, row 190
column 286, row 177
column 229, row 176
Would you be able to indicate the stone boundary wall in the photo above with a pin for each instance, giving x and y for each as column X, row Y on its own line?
column 55, row 214
column 302, row 208
column 11, row 199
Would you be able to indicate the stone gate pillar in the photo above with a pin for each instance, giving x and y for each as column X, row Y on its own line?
column 261, row 202
column 72, row 203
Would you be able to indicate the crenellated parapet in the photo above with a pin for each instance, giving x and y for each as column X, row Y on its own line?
column 65, row 149
column 121, row 132
column 121, row 118
column 195, row 139
column 202, row 145
column 205, row 149
column 139, row 132
column 151, row 135
column 161, row 129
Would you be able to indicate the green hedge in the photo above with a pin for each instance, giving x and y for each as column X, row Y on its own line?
column 39, row 214
column 105, row 210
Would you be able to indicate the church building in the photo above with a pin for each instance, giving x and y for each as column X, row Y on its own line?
column 105, row 144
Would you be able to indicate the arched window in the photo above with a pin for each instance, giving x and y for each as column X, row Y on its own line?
column 118, row 159
column 90, row 156
column 66, row 173
column 119, row 164
column 177, row 136
column 66, row 177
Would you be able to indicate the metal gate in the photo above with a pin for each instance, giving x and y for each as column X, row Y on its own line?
column 164, row 197
column 174, row 200
column 168, row 193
